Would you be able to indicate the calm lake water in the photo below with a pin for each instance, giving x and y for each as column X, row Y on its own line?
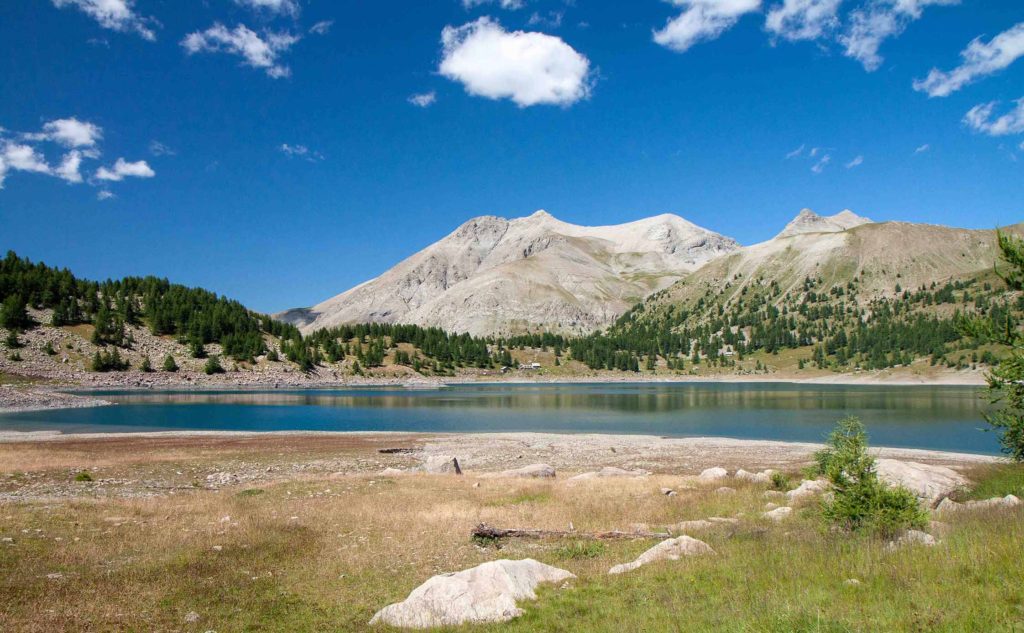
column 945, row 418
column 942, row 418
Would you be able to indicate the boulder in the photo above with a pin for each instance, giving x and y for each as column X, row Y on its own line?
column 668, row 492
column 485, row 593
column 778, row 514
column 913, row 537
column 725, row 490
column 929, row 483
column 439, row 464
column 808, row 488
column 612, row 471
column 713, row 474
column 701, row 525
column 763, row 477
column 948, row 505
column 539, row 471
column 671, row 549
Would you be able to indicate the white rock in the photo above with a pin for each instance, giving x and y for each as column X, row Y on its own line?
column 668, row 492
column 701, row 525
column 439, row 464
column 725, row 490
column 851, row 582
column 808, row 488
column 672, row 549
column 778, row 514
column 929, row 483
column 713, row 474
column 485, row 593
column 914, row 537
column 763, row 477
column 612, row 471
column 540, row 471
column 191, row 617
column 392, row 472
column 948, row 505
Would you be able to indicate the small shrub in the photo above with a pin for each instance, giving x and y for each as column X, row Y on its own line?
column 169, row 364
column 780, row 481
column 861, row 502
column 580, row 550
column 251, row 492
column 213, row 366
column 146, row 366
column 11, row 341
column 108, row 361
column 273, row 356
column 83, row 476
column 14, row 357
column 48, row 348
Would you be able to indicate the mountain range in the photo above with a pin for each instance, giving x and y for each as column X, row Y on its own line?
column 495, row 276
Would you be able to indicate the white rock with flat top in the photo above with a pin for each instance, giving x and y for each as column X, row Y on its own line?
column 928, row 482
column 485, row 593
column 914, row 537
column 672, row 549
column 700, row 525
column 763, row 477
column 538, row 471
column 948, row 505
column 778, row 514
column 713, row 474
column 439, row 464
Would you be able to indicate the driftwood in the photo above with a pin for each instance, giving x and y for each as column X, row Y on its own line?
column 489, row 532
column 396, row 451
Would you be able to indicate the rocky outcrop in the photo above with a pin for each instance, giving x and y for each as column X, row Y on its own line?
column 1009, row 501
column 928, row 482
column 778, row 514
column 808, row 221
column 485, row 593
column 713, row 474
column 496, row 276
column 808, row 489
column 672, row 549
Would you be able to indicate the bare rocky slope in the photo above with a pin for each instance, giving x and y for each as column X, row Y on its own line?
column 499, row 276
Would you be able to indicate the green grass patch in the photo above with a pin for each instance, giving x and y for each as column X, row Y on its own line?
column 998, row 481
column 522, row 497
column 580, row 550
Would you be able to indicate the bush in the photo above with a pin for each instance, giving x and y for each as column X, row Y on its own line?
column 580, row 550
column 780, row 481
column 108, row 361
column 213, row 366
column 861, row 502
column 11, row 341
column 169, row 364
column 83, row 476
column 146, row 366
column 48, row 348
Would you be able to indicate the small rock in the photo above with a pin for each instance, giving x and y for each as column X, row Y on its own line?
column 914, row 537
column 851, row 582
column 713, row 474
column 671, row 549
column 808, row 488
column 218, row 548
column 778, row 514
column 725, row 490
column 668, row 492
column 539, row 471
column 191, row 617
column 763, row 477
column 55, row 576
column 392, row 472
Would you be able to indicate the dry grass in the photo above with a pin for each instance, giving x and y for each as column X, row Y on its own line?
column 321, row 553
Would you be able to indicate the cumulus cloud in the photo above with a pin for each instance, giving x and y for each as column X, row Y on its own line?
column 878, row 21
column 980, row 60
column 300, row 151
column 510, row 5
column 701, row 21
column 123, row 169
column 526, row 67
column 322, row 27
column 116, row 15
column 423, row 100
column 803, row 19
column 819, row 166
column 69, row 132
column 19, row 157
column 980, row 119
column 287, row 7
column 255, row 51
column 856, row 162
column 70, row 167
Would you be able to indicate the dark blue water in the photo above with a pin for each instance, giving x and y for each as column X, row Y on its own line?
column 945, row 418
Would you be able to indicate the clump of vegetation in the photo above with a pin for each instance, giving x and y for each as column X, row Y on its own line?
column 48, row 349
column 169, row 364
column 780, row 481
column 14, row 357
column 580, row 550
column 997, row 481
column 1006, row 381
column 13, row 315
column 108, row 361
column 83, row 476
column 213, row 366
column 11, row 341
column 862, row 502
column 146, row 366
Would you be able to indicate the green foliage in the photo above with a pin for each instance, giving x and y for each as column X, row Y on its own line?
column 580, row 550
column 1006, row 381
column 213, row 366
column 15, row 357
column 11, row 341
column 862, row 502
column 13, row 314
column 83, row 476
column 169, row 364
column 48, row 349
column 104, row 361
column 780, row 481
column 146, row 366
column 998, row 481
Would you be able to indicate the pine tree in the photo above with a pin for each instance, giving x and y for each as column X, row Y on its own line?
column 169, row 364
column 13, row 314
column 146, row 366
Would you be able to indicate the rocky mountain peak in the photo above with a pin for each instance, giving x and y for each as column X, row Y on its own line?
column 807, row 221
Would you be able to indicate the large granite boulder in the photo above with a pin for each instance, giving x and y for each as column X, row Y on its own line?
column 929, row 483
column 672, row 549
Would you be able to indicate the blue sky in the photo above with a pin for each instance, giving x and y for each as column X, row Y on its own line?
column 270, row 150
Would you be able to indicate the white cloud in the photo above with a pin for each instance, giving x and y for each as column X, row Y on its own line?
column 69, row 132
column 156, row 148
column 256, row 51
column 301, row 151
column 701, row 21
column 287, row 7
column 552, row 20
column 878, row 21
column 424, row 100
column 797, row 152
column 821, row 164
column 979, row 119
column 856, row 162
column 528, row 68
column 322, row 27
column 510, row 5
column 116, row 15
column 922, row 148
column 123, row 169
column 70, row 166
column 103, row 194
column 980, row 60
column 803, row 19
column 20, row 157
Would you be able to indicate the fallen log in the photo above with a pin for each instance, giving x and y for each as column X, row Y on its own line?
column 489, row 532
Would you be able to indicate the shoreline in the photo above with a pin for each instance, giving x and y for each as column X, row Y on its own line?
column 485, row 443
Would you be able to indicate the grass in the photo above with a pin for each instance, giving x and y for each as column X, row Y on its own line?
column 323, row 553
column 998, row 481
